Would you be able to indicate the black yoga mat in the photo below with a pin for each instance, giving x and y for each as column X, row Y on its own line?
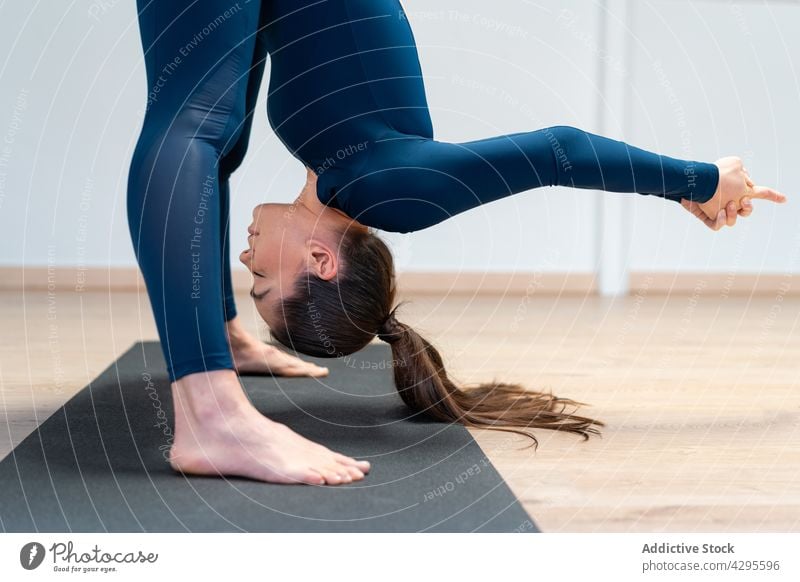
column 98, row 464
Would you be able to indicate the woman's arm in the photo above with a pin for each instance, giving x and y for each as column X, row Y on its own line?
column 414, row 183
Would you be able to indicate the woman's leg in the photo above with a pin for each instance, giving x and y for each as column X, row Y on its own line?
column 198, row 58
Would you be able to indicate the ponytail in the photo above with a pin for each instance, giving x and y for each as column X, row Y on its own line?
column 330, row 318
column 424, row 386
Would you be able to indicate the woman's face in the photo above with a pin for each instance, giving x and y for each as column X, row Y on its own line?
column 275, row 255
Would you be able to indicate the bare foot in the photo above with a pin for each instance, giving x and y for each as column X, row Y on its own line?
column 252, row 356
column 219, row 432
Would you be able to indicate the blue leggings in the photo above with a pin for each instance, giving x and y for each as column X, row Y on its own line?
column 347, row 98
column 204, row 63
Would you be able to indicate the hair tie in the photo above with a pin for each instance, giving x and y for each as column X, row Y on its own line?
column 389, row 331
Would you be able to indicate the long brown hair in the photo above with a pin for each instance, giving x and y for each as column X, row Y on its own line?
column 339, row 317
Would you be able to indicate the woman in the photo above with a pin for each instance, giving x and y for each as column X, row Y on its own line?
column 346, row 97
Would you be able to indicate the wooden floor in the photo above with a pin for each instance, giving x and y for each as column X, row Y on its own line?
column 701, row 395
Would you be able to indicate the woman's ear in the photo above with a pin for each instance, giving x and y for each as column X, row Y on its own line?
column 322, row 260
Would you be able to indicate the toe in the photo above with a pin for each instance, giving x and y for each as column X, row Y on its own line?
column 355, row 473
column 363, row 466
column 344, row 459
column 331, row 477
column 311, row 477
column 343, row 471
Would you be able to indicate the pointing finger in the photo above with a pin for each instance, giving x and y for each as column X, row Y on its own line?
column 765, row 193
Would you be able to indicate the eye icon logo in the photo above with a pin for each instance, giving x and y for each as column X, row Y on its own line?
column 31, row 555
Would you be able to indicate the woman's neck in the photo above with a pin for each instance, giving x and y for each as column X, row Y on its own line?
column 308, row 199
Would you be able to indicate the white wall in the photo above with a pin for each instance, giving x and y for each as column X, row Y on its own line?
column 712, row 79
column 72, row 90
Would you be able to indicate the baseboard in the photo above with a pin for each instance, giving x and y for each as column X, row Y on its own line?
column 83, row 279
column 767, row 284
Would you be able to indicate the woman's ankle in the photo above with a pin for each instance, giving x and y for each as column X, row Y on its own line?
column 207, row 396
column 238, row 336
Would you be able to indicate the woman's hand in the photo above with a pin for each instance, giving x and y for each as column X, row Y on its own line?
column 733, row 197
column 727, row 216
